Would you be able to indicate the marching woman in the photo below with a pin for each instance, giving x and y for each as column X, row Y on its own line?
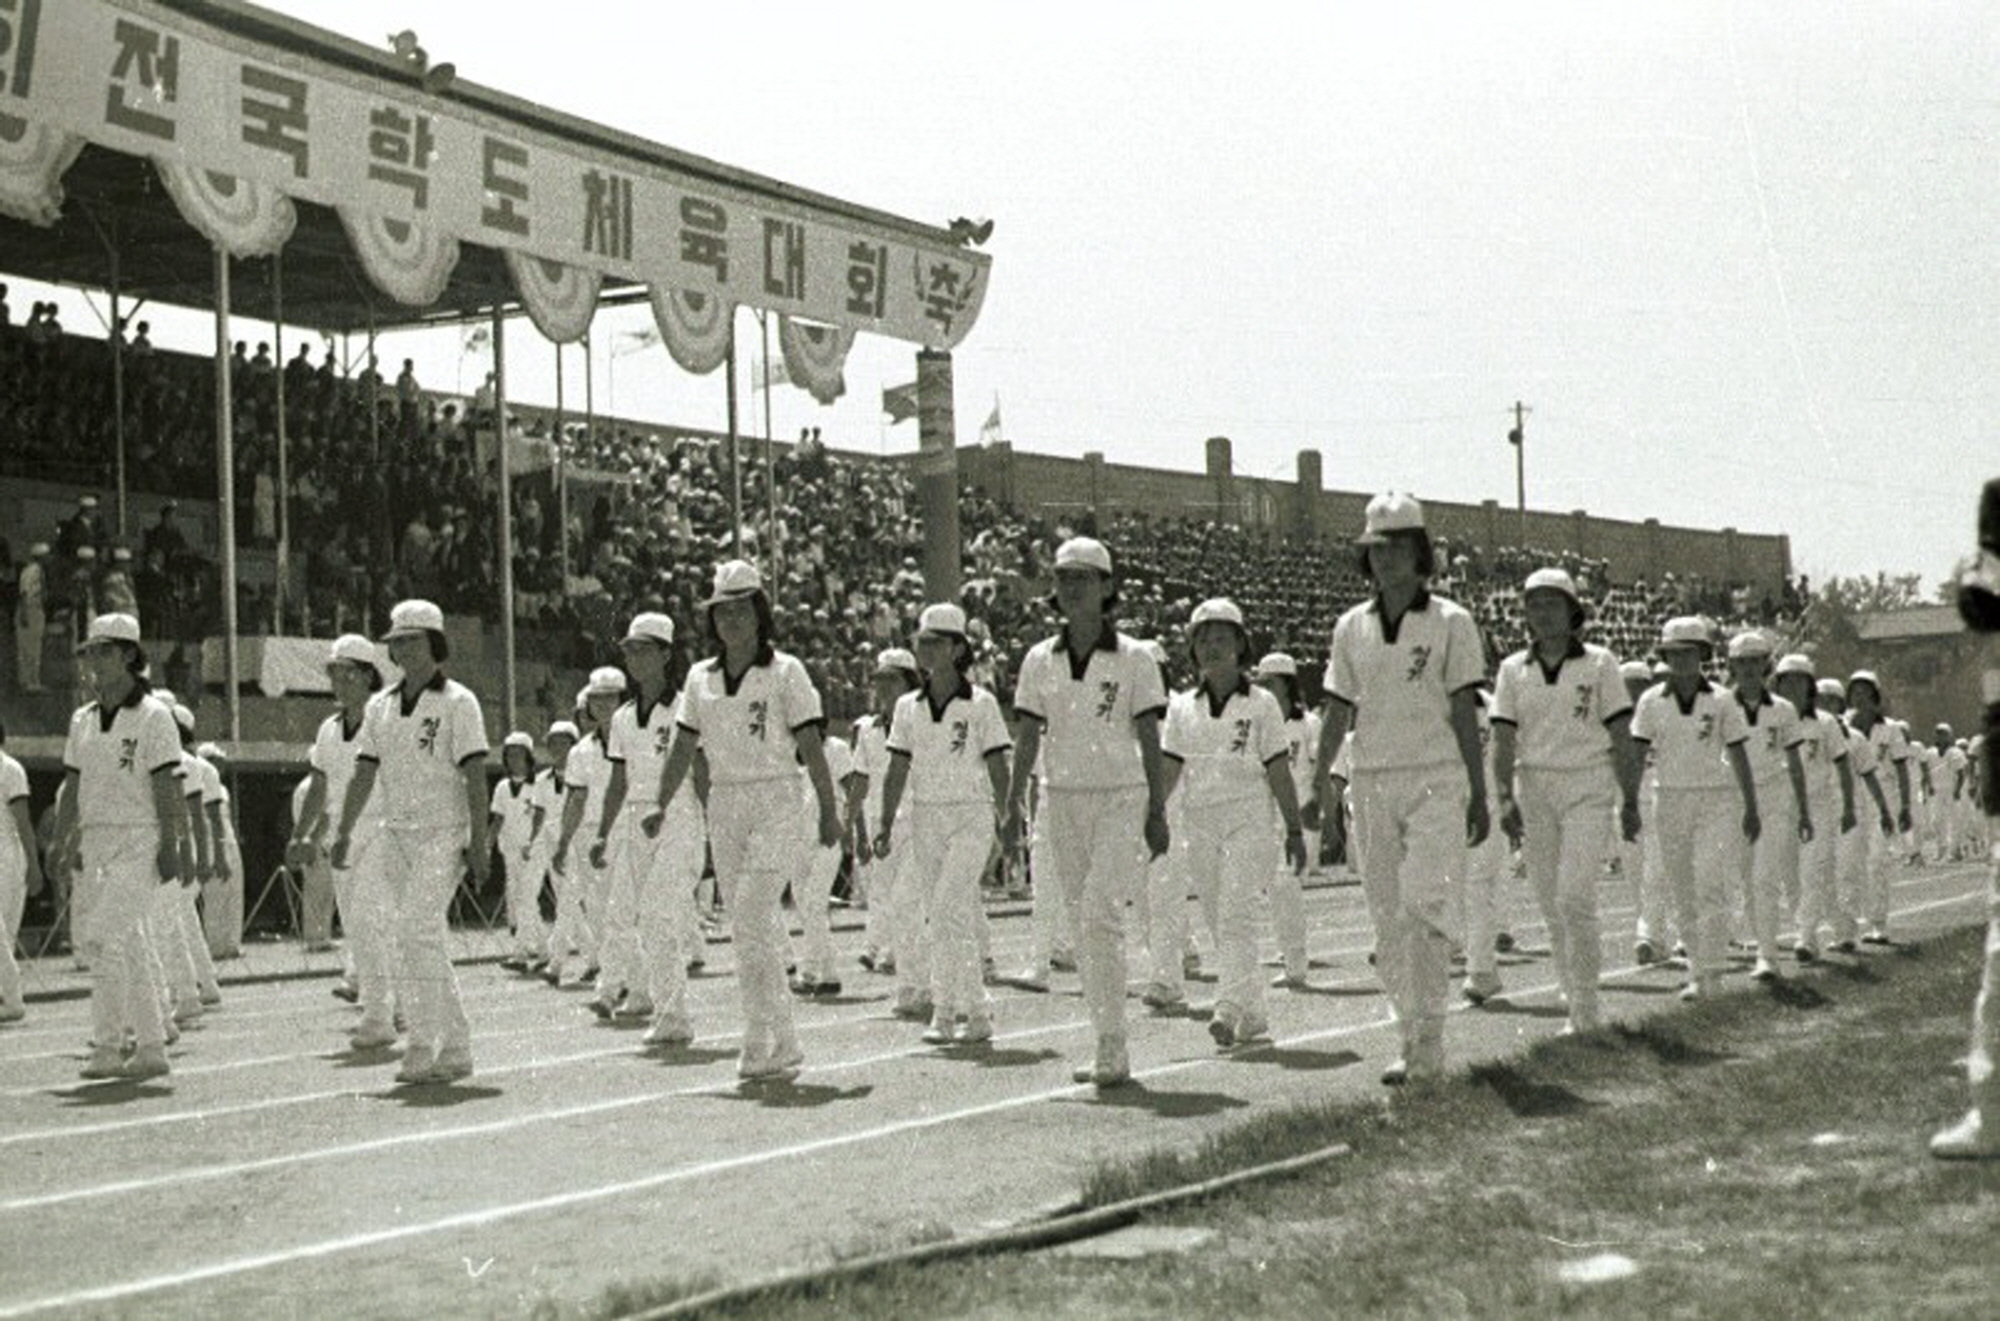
column 1866, row 704
column 753, row 713
column 948, row 743
column 589, row 776
column 1639, row 859
column 652, row 926
column 175, row 919
column 1225, row 749
column 20, row 876
column 225, row 927
column 812, row 888
column 1279, row 674
column 360, row 889
column 1562, row 747
column 119, row 818
column 423, row 750
column 1696, row 733
column 1829, row 797
column 1773, row 748
column 563, row 951
column 1404, row 674
column 511, row 822
column 895, row 674
column 1851, row 850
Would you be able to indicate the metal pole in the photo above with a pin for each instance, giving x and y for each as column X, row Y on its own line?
column 562, row 482
column 118, row 394
column 506, row 515
column 225, row 461
column 770, row 469
column 284, row 459
column 1521, row 467
column 735, row 458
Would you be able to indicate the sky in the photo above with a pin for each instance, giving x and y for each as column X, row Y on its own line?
column 1738, row 260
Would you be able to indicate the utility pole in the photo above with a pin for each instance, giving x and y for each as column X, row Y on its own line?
column 1518, row 439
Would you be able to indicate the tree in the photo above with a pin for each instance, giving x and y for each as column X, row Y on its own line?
column 1830, row 627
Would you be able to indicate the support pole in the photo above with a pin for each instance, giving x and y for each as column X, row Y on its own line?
column 562, row 482
column 506, row 548
column 225, row 461
column 735, row 456
column 771, row 564
column 118, row 397
column 1520, row 439
column 284, row 459
column 937, row 475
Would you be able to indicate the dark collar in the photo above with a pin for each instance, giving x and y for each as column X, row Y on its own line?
column 1216, row 707
column 1550, row 672
column 1392, row 627
column 766, row 653
column 964, row 690
column 642, row 708
column 407, row 701
column 1687, row 706
column 130, row 702
column 1107, row 640
column 1750, row 709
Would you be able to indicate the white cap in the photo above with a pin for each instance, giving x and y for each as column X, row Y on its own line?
column 1794, row 662
column 942, row 618
column 1391, row 511
column 166, row 695
column 651, row 627
column 86, row 553
column 184, row 718
column 1275, row 664
column 1215, row 610
column 1867, row 677
column 1684, row 631
column 564, row 729
column 1944, row 728
column 112, row 628
column 120, row 554
column 517, row 739
column 87, row 501
column 1749, row 643
column 1638, row 670
column 410, row 618
column 211, row 752
column 1083, row 553
column 1832, row 687
column 1553, row 580
column 605, row 681
column 735, row 579
column 891, row 659
column 38, row 550
column 353, row 649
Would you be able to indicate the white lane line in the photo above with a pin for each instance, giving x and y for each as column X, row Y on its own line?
column 575, row 1197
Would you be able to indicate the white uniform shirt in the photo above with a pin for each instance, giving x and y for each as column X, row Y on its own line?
column 419, row 747
column 1560, row 715
column 1224, row 751
column 514, row 804
column 115, row 759
column 839, row 768
column 1860, row 750
column 948, row 746
column 748, row 729
column 1688, row 742
column 1822, row 747
column 1302, row 753
column 1951, row 771
column 546, row 792
column 1400, row 681
column 334, row 753
column 1774, row 727
column 639, row 741
column 588, row 772
column 200, row 780
column 1087, row 711
column 871, row 758
column 13, row 789
column 1886, row 741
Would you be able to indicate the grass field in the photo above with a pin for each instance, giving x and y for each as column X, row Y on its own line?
column 1759, row 1155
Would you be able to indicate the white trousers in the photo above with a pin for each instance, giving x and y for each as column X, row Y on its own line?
column 524, row 900
column 1232, row 850
column 667, row 869
column 422, row 868
column 222, row 900
column 1409, row 827
column 13, row 902
column 1097, row 841
column 1981, row 1062
column 1056, row 906
column 1485, row 865
column 1701, row 855
column 1771, row 869
column 948, row 846
column 758, row 837
column 1818, row 876
column 120, row 871
column 812, row 890
column 368, row 916
column 1566, row 829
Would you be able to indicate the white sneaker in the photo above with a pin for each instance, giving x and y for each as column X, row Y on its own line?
column 669, row 1030
column 1764, row 970
column 371, row 1036
column 1481, row 986
column 104, row 1062
column 1158, row 995
column 1285, row 981
column 13, row 1013
column 1030, row 979
column 976, row 1029
column 1968, row 1139
column 1112, row 1066
column 417, row 1066
column 939, row 1032
column 1396, row 1074
column 453, row 1063
column 146, row 1062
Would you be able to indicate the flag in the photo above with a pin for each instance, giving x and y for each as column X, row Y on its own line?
column 989, row 433
column 779, row 376
column 635, row 341
column 900, row 402
column 477, row 340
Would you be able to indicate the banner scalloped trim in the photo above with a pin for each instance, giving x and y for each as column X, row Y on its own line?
column 561, row 300
column 815, row 356
column 410, row 263
column 34, row 157
column 244, row 217
column 698, row 328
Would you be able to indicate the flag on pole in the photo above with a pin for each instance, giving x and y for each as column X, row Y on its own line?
column 477, row 340
column 989, row 433
column 779, row 376
column 900, row 402
column 635, row 341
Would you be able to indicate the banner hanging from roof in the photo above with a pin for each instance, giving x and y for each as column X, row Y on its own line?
column 204, row 100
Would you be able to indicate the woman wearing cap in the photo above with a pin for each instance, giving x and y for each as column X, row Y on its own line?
column 1096, row 699
column 948, row 743
column 812, row 891
column 1562, row 747
column 118, row 816
column 1771, row 874
column 511, row 822
column 1225, row 749
column 1639, row 859
column 222, row 896
column 20, row 876
column 1829, row 781
column 1404, row 674
column 589, row 775
column 176, row 920
column 755, row 714
column 425, row 740
column 360, row 889
column 563, row 940
column 889, row 927
column 1696, row 732
column 1866, row 704
column 1850, row 851
column 651, row 932
column 1279, row 674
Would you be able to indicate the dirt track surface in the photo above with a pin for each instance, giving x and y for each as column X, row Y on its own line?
column 277, row 1173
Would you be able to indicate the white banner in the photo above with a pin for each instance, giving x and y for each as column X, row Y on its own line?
column 150, row 81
